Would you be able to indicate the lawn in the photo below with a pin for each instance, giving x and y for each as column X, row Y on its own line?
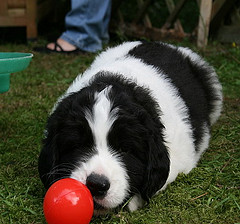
column 209, row 194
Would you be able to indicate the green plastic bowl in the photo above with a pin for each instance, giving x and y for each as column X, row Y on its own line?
column 11, row 62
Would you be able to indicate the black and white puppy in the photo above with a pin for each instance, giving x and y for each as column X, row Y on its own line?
column 126, row 127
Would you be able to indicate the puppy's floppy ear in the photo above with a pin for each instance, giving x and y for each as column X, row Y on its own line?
column 157, row 166
column 49, row 154
column 47, row 160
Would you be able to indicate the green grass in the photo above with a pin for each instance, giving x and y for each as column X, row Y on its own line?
column 209, row 194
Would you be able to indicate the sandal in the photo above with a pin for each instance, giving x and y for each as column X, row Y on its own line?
column 61, row 51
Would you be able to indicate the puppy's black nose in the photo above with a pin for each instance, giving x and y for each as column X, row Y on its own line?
column 98, row 184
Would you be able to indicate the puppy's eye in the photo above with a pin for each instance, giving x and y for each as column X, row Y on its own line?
column 71, row 138
column 120, row 150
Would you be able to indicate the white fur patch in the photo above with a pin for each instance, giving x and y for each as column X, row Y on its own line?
column 135, row 203
column 108, row 57
column 101, row 118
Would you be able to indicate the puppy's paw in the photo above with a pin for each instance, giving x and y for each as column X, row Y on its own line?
column 135, row 203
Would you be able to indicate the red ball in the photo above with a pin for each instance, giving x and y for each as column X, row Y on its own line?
column 68, row 201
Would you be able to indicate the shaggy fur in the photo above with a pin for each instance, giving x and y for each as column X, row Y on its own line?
column 139, row 116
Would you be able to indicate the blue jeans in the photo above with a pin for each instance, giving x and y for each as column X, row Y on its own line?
column 87, row 24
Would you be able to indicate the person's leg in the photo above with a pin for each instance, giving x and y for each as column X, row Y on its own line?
column 86, row 27
column 87, row 24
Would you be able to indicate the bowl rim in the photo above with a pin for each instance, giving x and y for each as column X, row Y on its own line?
column 24, row 56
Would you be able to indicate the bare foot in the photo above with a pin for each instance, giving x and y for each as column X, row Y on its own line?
column 64, row 44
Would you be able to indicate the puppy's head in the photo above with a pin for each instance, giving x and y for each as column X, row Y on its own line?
column 106, row 140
